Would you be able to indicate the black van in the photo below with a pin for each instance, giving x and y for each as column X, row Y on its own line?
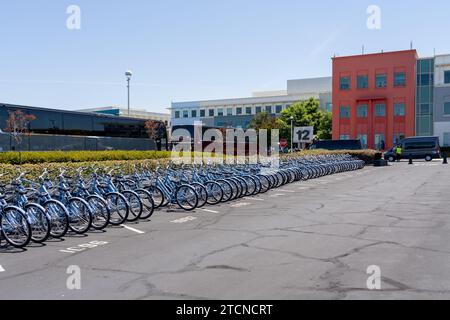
column 417, row 148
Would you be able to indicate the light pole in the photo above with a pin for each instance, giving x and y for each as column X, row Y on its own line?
column 128, row 74
column 292, row 134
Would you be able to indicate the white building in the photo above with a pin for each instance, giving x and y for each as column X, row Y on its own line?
column 240, row 111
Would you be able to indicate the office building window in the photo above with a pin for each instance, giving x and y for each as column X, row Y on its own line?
column 239, row 111
column 424, row 108
column 380, row 110
column 345, row 137
column 447, row 77
column 194, row 113
column 229, row 111
column 211, row 112
column 363, row 139
column 363, row 82
column 345, row 83
column 185, row 114
column 177, row 114
column 278, row 109
column 399, row 109
column 447, row 108
column 248, row 110
column 380, row 142
column 425, row 79
column 202, row 113
column 269, row 109
column 446, row 139
column 399, row 79
column 329, row 107
column 258, row 109
column 362, row 111
column 344, row 112
column 381, row 80
column 220, row 112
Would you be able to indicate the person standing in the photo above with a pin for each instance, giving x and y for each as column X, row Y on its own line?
column 398, row 153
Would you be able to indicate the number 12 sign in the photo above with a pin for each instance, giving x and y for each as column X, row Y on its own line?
column 303, row 134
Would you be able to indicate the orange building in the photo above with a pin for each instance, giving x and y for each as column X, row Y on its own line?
column 374, row 97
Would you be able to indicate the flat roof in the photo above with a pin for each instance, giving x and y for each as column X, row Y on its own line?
column 376, row 53
column 100, row 115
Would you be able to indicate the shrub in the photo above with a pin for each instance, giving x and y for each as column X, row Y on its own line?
column 79, row 156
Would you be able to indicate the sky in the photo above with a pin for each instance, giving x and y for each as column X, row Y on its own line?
column 183, row 50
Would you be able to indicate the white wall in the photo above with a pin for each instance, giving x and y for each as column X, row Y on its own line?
column 441, row 64
column 439, row 129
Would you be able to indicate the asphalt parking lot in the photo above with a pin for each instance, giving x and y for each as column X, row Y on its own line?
column 309, row 240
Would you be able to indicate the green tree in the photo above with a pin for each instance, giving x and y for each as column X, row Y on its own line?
column 307, row 113
column 324, row 131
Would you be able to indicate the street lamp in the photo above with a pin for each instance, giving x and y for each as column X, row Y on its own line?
column 292, row 134
column 128, row 74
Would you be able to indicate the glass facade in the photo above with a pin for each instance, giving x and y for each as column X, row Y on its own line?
column 58, row 122
column 425, row 99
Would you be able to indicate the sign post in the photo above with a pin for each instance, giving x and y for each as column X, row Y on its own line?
column 303, row 135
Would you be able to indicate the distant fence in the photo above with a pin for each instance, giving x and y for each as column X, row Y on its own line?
column 42, row 142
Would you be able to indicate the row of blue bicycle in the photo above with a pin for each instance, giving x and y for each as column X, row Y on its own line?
column 35, row 211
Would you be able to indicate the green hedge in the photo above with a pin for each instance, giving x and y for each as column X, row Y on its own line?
column 78, row 156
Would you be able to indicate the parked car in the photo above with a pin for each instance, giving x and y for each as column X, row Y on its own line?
column 416, row 148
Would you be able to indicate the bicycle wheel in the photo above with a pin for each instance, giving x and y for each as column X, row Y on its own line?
column 201, row 193
column 39, row 222
column 100, row 212
column 158, row 196
column 80, row 215
column 59, row 218
column 14, row 227
column 118, row 208
column 215, row 192
column 148, row 205
column 227, row 190
column 186, row 198
column 135, row 203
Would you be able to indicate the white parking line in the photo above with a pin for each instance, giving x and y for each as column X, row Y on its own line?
column 278, row 195
column 2, row 269
column 133, row 229
column 183, row 220
column 210, row 211
column 238, row 205
column 255, row 199
column 288, row 191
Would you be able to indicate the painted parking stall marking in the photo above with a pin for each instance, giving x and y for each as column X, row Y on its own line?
column 2, row 269
column 84, row 247
column 288, row 191
column 184, row 220
column 133, row 229
column 239, row 205
column 255, row 199
column 210, row 211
